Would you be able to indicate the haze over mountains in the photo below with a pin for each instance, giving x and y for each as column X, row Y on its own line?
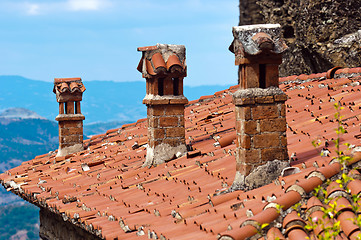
column 28, row 109
column 14, row 113
column 103, row 101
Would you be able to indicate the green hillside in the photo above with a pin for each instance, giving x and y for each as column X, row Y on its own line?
column 19, row 222
column 23, row 139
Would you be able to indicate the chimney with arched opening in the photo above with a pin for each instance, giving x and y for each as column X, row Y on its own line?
column 69, row 93
column 164, row 67
column 259, row 105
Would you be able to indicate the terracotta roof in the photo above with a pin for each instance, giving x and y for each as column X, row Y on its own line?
column 105, row 190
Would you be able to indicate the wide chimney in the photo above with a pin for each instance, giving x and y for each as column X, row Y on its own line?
column 259, row 105
column 69, row 93
column 164, row 67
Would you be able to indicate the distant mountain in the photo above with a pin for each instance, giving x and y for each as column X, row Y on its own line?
column 24, row 134
column 23, row 139
column 20, row 113
column 103, row 101
column 19, row 222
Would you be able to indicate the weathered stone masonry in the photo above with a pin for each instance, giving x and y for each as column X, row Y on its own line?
column 69, row 92
column 164, row 68
column 54, row 226
column 166, row 124
column 259, row 105
column 261, row 130
column 320, row 34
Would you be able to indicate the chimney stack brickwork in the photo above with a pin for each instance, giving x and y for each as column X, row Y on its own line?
column 166, row 125
column 259, row 105
column 69, row 92
column 164, row 68
column 261, row 131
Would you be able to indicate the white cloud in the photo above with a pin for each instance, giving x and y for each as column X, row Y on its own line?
column 86, row 5
column 32, row 9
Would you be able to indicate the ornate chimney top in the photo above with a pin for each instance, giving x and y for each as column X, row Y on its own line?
column 260, row 105
column 163, row 59
column 164, row 68
column 251, row 40
column 69, row 93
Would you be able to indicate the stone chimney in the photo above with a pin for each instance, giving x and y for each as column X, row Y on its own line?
column 164, row 67
column 69, row 93
column 260, row 105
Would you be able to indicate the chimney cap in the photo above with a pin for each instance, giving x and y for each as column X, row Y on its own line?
column 255, row 39
column 68, row 89
column 67, row 80
column 163, row 59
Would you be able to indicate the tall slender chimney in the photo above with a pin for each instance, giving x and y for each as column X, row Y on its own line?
column 259, row 105
column 69, row 93
column 164, row 67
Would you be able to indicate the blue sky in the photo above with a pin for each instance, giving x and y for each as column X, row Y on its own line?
column 97, row 39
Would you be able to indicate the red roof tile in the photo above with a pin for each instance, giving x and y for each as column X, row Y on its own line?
column 106, row 186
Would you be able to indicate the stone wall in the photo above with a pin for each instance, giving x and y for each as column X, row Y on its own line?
column 249, row 13
column 320, row 34
column 53, row 227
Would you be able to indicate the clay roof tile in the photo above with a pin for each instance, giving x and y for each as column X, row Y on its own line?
column 228, row 139
column 149, row 67
column 148, row 48
column 334, row 187
column 263, row 40
column 173, row 60
column 313, row 201
column 291, row 220
column 239, row 233
column 342, row 204
column 158, row 62
column 140, row 65
column 274, row 233
column 63, row 87
column 297, row 233
column 74, row 86
column 354, row 186
column 347, row 224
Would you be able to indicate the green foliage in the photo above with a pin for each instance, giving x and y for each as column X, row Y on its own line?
column 329, row 224
column 19, row 219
